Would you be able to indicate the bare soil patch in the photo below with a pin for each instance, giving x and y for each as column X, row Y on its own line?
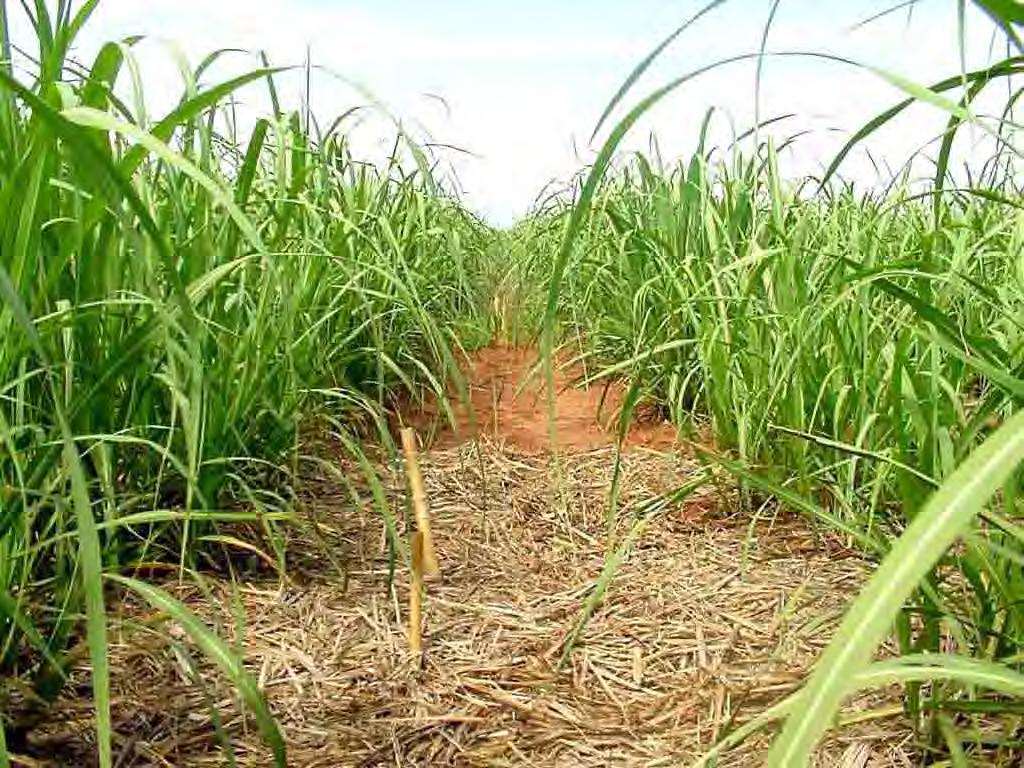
column 508, row 402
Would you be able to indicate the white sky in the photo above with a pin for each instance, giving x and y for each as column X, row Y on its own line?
column 525, row 80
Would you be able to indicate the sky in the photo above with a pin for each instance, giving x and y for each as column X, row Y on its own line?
column 518, row 85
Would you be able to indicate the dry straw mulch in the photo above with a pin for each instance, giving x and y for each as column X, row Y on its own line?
column 711, row 618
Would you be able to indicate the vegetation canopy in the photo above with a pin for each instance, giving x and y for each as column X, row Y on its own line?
column 192, row 306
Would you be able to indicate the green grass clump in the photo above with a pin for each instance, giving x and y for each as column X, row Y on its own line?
column 858, row 356
column 846, row 356
column 179, row 303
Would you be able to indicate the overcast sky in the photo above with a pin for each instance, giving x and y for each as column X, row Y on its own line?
column 523, row 81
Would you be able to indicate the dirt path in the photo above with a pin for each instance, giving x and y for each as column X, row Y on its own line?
column 709, row 620
column 508, row 403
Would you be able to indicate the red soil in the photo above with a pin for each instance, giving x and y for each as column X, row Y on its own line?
column 509, row 403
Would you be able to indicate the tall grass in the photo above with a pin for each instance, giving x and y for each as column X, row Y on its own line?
column 857, row 355
column 181, row 302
